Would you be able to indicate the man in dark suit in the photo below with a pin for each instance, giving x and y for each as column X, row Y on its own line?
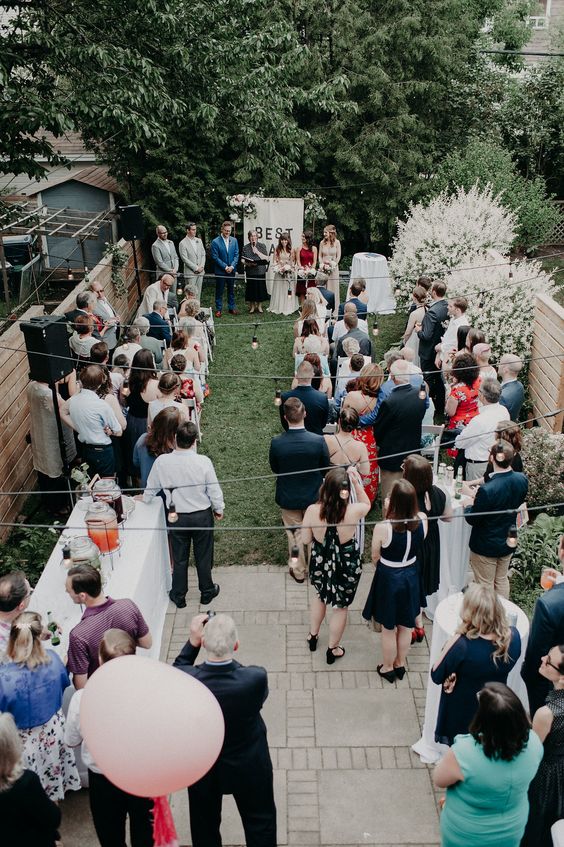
column 159, row 322
column 357, row 287
column 352, row 331
column 512, row 391
column 397, row 428
column 225, row 256
column 547, row 630
column 244, row 768
column 316, row 404
column 504, row 492
column 432, row 330
column 299, row 455
column 85, row 302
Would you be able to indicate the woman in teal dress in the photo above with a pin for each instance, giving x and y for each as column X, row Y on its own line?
column 487, row 774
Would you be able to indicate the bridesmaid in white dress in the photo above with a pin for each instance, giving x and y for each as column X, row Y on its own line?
column 282, row 302
column 410, row 338
column 330, row 251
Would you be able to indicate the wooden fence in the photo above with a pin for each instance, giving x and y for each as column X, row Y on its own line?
column 16, row 461
column 546, row 375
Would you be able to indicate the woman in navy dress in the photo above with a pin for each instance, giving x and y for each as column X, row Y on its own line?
column 394, row 597
column 483, row 649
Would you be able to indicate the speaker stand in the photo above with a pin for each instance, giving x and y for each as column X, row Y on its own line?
column 137, row 277
column 62, row 448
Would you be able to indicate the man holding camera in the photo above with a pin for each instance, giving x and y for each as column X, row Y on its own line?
column 244, row 768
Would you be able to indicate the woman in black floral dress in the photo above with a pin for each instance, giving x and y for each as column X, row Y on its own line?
column 335, row 563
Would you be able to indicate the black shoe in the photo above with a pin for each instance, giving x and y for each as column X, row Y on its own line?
column 331, row 657
column 399, row 672
column 389, row 676
column 209, row 595
column 312, row 642
column 296, row 578
column 180, row 604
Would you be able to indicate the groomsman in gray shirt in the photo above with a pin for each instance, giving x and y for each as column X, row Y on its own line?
column 193, row 255
column 164, row 253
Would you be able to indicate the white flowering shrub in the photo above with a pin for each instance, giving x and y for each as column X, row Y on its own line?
column 500, row 305
column 451, row 231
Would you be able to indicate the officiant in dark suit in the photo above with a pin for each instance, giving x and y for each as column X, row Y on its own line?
column 244, row 767
column 256, row 262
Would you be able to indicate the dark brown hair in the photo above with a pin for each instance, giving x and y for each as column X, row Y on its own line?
column 465, row 368
column 419, row 472
column 420, row 294
column 179, row 340
column 86, row 579
column 358, row 286
column 142, row 371
column 500, row 725
column 315, row 362
column 294, row 410
column 356, row 362
column 425, row 282
column 333, row 506
column 13, row 590
column 461, row 336
column 178, row 363
column 439, row 288
column 282, row 235
column 99, row 352
column 169, row 383
column 511, row 432
column 310, row 327
column 475, row 336
column 348, row 419
column 92, row 377
column 308, row 236
column 161, row 438
column 403, row 507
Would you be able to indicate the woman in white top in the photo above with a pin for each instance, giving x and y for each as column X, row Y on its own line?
column 169, row 386
column 311, row 341
column 410, row 338
column 309, row 310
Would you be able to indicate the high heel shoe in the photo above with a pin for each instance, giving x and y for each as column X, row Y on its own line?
column 389, row 676
column 312, row 641
column 331, row 656
column 417, row 634
column 399, row 672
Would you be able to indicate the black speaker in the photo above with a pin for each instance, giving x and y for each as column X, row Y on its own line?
column 132, row 228
column 47, row 345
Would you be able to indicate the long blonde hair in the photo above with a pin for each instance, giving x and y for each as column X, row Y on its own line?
column 483, row 614
column 331, row 236
column 11, row 749
column 24, row 642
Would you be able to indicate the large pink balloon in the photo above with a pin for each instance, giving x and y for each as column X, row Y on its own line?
column 151, row 729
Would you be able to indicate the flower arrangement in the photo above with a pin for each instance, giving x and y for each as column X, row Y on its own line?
column 284, row 269
column 80, row 474
column 313, row 208
column 240, row 204
column 119, row 259
column 306, row 273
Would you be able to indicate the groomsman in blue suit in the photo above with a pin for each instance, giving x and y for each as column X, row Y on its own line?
column 225, row 256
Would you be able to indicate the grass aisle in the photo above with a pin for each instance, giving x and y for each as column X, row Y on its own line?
column 239, row 420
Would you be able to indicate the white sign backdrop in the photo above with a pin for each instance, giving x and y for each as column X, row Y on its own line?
column 273, row 216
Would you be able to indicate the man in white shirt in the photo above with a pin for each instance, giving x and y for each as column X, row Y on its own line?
column 106, row 313
column 193, row 255
column 478, row 436
column 190, row 485
column 156, row 291
column 448, row 344
column 94, row 422
column 340, row 329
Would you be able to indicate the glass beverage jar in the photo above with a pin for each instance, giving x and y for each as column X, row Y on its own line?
column 108, row 491
column 83, row 551
column 101, row 522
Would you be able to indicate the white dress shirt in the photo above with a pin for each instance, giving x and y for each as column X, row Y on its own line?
column 129, row 349
column 477, row 438
column 89, row 415
column 449, row 340
column 73, row 732
column 185, row 468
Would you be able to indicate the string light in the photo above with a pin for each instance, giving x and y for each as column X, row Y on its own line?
column 172, row 513
column 375, row 328
column 179, row 290
column 254, row 342
column 423, row 391
column 511, row 539
column 70, row 275
column 499, row 452
column 277, row 394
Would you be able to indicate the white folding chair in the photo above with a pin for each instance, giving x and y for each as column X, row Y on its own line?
column 210, row 322
column 432, row 450
column 330, row 429
column 557, row 832
column 194, row 414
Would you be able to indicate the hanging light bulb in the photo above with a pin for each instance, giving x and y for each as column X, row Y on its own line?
column 70, row 275
column 254, row 342
column 179, row 290
column 499, row 452
column 511, row 539
column 85, row 269
column 423, row 391
column 510, row 269
column 277, row 397
column 289, row 292
column 345, row 489
column 375, row 328
column 172, row 513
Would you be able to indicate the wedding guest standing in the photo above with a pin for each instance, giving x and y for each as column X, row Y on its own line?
column 193, row 255
column 143, row 387
column 283, row 300
column 256, row 261
column 335, row 564
column 32, row 682
column 363, row 396
column 483, row 649
column 410, row 338
column 512, row 391
column 432, row 330
column 106, row 313
column 305, row 259
column 29, row 818
column 546, row 793
column 329, row 258
column 487, row 774
column 164, row 254
column 225, row 256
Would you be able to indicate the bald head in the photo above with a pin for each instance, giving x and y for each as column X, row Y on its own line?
column 509, row 366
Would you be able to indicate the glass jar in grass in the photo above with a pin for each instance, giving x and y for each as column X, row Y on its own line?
column 83, row 551
column 102, row 526
column 107, row 490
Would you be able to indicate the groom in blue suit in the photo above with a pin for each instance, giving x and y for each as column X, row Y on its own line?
column 225, row 256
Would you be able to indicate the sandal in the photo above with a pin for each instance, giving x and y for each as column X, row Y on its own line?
column 331, row 656
column 312, row 641
column 389, row 676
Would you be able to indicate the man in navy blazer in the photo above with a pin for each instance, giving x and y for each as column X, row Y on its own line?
column 159, row 323
column 433, row 327
column 300, row 457
column 315, row 402
column 505, row 490
column 243, row 768
column 225, row 256
column 547, row 630
column 512, row 391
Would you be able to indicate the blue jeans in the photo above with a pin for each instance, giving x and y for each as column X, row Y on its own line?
column 220, row 280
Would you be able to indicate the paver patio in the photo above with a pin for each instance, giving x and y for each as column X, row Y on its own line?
column 339, row 735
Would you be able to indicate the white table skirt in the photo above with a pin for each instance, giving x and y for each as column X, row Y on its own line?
column 141, row 572
column 373, row 267
column 454, row 556
column 447, row 617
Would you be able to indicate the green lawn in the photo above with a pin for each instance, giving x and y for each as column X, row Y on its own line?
column 239, row 420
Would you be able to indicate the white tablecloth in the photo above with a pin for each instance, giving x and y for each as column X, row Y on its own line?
column 141, row 572
column 447, row 617
column 455, row 554
column 373, row 267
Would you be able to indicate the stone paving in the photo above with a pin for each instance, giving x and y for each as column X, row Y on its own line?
column 339, row 736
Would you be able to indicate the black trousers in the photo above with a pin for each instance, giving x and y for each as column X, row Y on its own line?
column 434, row 379
column 254, row 796
column 100, row 459
column 110, row 807
column 180, row 542
column 48, row 485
